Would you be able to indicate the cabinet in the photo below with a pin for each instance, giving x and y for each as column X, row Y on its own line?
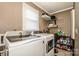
column 34, row 48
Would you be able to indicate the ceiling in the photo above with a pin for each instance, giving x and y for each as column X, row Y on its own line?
column 51, row 7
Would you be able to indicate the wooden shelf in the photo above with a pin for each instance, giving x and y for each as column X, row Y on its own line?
column 53, row 26
column 63, row 44
column 63, row 49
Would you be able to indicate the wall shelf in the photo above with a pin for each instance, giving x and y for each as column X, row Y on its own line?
column 54, row 26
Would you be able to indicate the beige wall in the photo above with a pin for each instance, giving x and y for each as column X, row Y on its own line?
column 43, row 24
column 77, row 14
column 64, row 21
column 77, row 26
column 10, row 16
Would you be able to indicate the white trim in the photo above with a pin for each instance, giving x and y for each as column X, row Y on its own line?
column 22, row 14
column 73, row 24
column 55, row 11
column 61, row 10
column 40, row 7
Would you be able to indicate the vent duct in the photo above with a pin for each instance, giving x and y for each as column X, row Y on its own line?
column 46, row 17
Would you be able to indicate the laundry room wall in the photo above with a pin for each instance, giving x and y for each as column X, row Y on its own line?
column 11, row 16
column 77, row 27
column 64, row 22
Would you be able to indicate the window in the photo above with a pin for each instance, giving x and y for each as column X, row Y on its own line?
column 30, row 18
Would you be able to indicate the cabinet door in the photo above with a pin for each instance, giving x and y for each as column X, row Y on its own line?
column 35, row 48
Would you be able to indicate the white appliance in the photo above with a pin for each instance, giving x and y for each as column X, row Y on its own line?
column 50, row 46
column 49, row 43
column 28, row 46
